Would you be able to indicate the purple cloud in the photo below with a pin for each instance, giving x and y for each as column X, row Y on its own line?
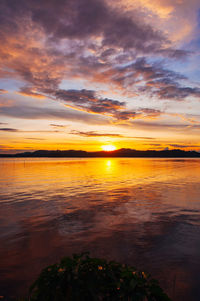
column 8, row 130
column 87, row 39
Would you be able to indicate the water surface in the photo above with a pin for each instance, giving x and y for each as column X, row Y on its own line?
column 144, row 212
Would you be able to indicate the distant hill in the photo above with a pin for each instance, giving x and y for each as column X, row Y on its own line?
column 123, row 152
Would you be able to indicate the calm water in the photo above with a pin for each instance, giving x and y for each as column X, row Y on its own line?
column 144, row 212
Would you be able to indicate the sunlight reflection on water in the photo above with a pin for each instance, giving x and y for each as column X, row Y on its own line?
column 144, row 212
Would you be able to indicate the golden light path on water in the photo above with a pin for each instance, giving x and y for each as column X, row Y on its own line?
column 144, row 212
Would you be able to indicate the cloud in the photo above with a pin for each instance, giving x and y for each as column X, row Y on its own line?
column 34, row 43
column 39, row 139
column 2, row 91
column 174, row 145
column 75, row 96
column 88, row 101
column 127, row 115
column 90, row 40
column 82, row 37
column 8, row 130
column 26, row 91
column 80, row 103
column 150, row 112
column 24, row 131
column 142, row 124
column 30, row 112
column 175, row 91
column 41, row 131
column 5, row 103
column 138, row 113
column 58, row 125
column 154, row 144
column 83, row 19
column 179, row 19
column 144, row 138
column 112, row 135
column 154, row 80
column 183, row 146
column 95, row 134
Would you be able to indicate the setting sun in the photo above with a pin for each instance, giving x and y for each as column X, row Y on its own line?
column 108, row 148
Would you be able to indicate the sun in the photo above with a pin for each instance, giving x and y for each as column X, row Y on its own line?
column 108, row 148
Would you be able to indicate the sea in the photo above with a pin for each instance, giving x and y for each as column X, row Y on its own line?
column 144, row 212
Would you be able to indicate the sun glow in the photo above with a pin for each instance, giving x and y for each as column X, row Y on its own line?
column 108, row 148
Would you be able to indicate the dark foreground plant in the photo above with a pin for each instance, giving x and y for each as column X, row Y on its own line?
column 82, row 278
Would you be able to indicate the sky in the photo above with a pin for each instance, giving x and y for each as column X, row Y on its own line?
column 85, row 74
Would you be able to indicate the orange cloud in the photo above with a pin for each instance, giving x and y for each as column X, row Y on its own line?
column 29, row 92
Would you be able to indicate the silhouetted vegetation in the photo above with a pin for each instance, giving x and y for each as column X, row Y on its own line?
column 82, row 278
column 123, row 152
